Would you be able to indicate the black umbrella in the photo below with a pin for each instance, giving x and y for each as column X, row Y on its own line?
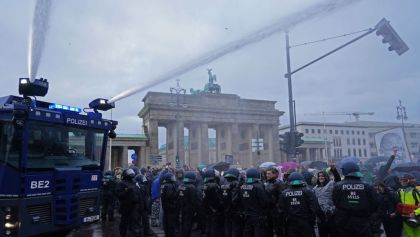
column 407, row 167
column 219, row 166
column 378, row 159
column 319, row 165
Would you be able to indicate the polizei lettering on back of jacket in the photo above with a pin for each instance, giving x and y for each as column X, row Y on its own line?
column 353, row 187
column 294, row 193
column 74, row 121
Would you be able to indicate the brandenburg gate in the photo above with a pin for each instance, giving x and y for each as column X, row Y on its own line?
column 246, row 130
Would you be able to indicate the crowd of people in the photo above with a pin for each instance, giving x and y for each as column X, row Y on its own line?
column 261, row 202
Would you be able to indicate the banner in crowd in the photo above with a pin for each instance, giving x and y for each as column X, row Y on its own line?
column 388, row 139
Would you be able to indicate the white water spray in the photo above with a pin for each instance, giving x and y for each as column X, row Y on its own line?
column 254, row 37
column 37, row 35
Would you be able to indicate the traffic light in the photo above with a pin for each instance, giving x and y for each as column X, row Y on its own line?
column 285, row 140
column 384, row 29
column 298, row 139
column 177, row 161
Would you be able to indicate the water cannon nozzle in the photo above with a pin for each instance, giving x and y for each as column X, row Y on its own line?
column 101, row 104
column 38, row 87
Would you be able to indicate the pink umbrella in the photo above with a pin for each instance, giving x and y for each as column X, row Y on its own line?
column 288, row 165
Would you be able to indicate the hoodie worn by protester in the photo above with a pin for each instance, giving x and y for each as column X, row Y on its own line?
column 355, row 202
column 324, row 188
column 323, row 191
column 253, row 201
column 300, row 207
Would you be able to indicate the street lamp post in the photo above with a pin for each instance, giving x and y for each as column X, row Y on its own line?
column 292, row 148
column 177, row 91
column 402, row 115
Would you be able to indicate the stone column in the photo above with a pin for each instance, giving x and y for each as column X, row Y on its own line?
column 228, row 140
column 180, row 142
column 153, row 134
column 124, row 157
column 318, row 154
column 308, row 154
column 195, row 148
column 171, row 142
column 254, row 134
column 139, row 161
column 218, row 143
column 204, row 142
column 115, row 153
column 143, row 156
column 235, row 138
column 273, row 148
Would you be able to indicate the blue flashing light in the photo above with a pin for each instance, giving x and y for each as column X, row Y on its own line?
column 65, row 107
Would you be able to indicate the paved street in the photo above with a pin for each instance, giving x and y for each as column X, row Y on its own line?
column 99, row 229
column 110, row 229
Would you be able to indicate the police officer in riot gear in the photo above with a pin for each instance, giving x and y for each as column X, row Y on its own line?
column 230, row 193
column 169, row 197
column 274, row 187
column 189, row 198
column 355, row 201
column 130, row 199
column 300, row 207
column 108, row 195
column 253, row 201
column 141, row 184
column 212, row 204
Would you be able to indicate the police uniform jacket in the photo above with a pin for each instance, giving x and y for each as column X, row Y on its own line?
column 274, row 189
column 128, row 193
column 253, row 199
column 189, row 199
column 354, row 197
column 212, row 197
column 300, row 203
column 230, row 192
column 169, row 196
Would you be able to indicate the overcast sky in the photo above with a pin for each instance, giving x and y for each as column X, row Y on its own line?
column 99, row 48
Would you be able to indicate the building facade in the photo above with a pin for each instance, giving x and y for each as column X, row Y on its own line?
column 328, row 141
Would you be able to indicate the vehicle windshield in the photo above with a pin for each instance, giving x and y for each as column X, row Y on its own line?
column 57, row 145
column 10, row 144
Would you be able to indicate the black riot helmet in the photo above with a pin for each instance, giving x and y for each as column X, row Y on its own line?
column 128, row 174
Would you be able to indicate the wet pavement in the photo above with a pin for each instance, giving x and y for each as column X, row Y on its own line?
column 105, row 229
column 98, row 229
column 110, row 229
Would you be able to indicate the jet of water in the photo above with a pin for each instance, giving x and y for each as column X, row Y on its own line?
column 37, row 35
column 254, row 37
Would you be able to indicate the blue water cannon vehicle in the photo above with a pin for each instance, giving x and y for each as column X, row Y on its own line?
column 51, row 162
